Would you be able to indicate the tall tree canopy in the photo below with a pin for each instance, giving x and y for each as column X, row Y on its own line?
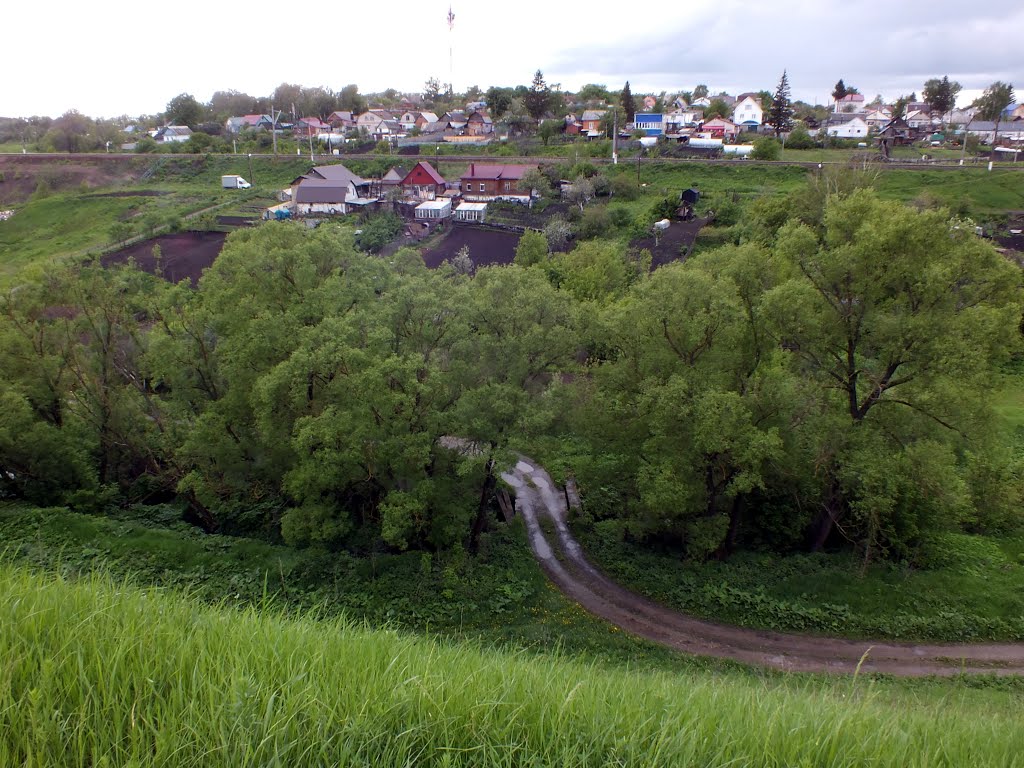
column 184, row 109
column 627, row 102
column 538, row 98
column 780, row 116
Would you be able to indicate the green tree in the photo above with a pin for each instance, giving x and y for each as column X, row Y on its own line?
column 941, row 94
column 700, row 92
column 627, row 103
column 498, row 100
column 839, row 92
column 592, row 93
column 766, row 148
column 991, row 105
column 717, row 108
column 897, row 320
column 184, row 109
column 350, row 100
column 531, row 249
column 780, row 116
column 538, row 97
column 549, row 129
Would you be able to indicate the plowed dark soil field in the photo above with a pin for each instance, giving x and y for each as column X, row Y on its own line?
column 183, row 255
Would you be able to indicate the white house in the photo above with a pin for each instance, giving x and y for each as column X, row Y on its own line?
column 748, row 113
column 851, row 102
column 172, row 133
column 678, row 118
column 919, row 119
column 852, row 129
column 878, row 118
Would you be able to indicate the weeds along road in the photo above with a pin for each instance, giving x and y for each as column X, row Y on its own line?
column 929, row 165
column 544, row 508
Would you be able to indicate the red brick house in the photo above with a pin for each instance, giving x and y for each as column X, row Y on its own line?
column 423, row 182
column 490, row 182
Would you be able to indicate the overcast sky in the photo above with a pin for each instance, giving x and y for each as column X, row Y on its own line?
column 121, row 57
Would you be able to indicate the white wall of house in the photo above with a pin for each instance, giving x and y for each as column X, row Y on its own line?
column 305, row 209
column 854, row 129
column 748, row 110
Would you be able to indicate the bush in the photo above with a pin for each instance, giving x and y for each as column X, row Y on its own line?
column 799, row 138
column 378, row 231
column 766, row 148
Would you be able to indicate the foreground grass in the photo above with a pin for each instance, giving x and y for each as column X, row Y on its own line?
column 99, row 673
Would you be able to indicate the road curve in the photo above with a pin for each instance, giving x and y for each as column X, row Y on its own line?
column 562, row 558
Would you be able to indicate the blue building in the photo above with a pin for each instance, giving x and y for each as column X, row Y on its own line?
column 650, row 124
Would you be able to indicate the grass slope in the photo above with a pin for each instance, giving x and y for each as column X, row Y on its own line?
column 98, row 673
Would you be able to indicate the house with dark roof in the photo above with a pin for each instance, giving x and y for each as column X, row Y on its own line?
column 423, row 182
column 341, row 120
column 311, row 126
column 254, row 122
column 171, row 133
column 393, row 178
column 322, row 196
column 483, row 182
column 330, row 189
column 590, row 122
column 479, row 124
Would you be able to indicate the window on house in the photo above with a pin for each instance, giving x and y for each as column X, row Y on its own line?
column 508, row 186
column 481, row 186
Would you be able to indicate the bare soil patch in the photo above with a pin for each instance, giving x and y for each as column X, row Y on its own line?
column 486, row 246
column 183, row 255
column 680, row 235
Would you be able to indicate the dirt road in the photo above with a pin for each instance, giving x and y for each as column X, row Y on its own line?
column 539, row 501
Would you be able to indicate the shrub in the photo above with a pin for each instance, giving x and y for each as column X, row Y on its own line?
column 766, row 148
column 799, row 138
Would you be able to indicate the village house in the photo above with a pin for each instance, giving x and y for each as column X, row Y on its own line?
column 720, row 128
column 341, row 120
column 483, row 182
column 423, row 182
column 170, row 134
column 590, row 122
column 855, row 128
column 393, row 179
column 371, row 120
column 877, row 118
column 920, row 119
column 851, row 102
column 254, row 122
column 748, row 113
column 650, row 123
column 479, row 124
column 330, row 189
column 311, row 126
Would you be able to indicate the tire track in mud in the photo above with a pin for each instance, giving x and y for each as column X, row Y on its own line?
column 561, row 556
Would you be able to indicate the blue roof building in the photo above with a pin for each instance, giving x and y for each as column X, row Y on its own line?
column 650, row 124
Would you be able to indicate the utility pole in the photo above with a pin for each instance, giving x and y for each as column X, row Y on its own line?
column 615, row 136
column 273, row 127
column 252, row 179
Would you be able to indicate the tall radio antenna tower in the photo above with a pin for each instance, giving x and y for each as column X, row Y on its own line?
column 451, row 65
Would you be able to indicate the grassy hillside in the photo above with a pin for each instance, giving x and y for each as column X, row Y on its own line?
column 97, row 673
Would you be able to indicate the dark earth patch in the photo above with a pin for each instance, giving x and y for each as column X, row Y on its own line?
column 486, row 246
column 183, row 255
column 670, row 243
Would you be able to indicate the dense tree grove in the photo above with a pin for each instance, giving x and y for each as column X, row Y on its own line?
column 823, row 383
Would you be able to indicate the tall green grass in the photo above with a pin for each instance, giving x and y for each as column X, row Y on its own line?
column 99, row 673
